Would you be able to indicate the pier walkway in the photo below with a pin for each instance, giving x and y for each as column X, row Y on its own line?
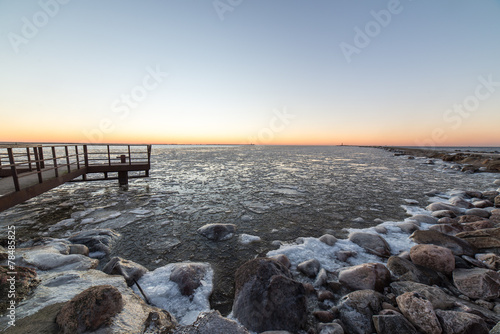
column 28, row 170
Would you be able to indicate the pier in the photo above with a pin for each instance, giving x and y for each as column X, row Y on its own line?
column 28, row 170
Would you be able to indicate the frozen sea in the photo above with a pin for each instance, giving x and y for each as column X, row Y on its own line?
column 274, row 194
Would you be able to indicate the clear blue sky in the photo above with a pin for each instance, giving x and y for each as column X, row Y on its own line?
column 258, row 71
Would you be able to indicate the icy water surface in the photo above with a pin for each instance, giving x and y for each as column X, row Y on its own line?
column 275, row 193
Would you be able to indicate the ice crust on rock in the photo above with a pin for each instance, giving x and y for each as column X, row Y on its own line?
column 165, row 294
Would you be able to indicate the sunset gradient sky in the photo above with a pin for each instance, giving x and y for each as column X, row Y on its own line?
column 421, row 72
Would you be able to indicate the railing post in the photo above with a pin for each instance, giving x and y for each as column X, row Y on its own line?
column 13, row 168
column 149, row 161
column 40, row 156
column 29, row 158
column 86, row 155
column 67, row 158
column 86, row 158
column 77, row 157
column 54, row 160
column 109, row 157
column 38, row 164
column 129, row 156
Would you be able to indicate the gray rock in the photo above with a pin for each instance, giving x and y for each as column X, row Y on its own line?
column 283, row 259
column 357, row 309
column 491, row 260
column 212, row 323
column 90, row 309
column 444, row 214
column 188, row 276
column 485, row 238
column 78, row 249
column 456, row 245
column 436, row 206
column 267, row 298
column 330, row 328
column 217, row 232
column 48, row 258
column 446, row 229
column 490, row 195
column 328, row 239
column 372, row 243
column 393, row 323
column 321, row 278
column 477, row 283
column 497, row 202
column 444, row 301
column 420, row 312
column 483, row 204
column 461, row 322
column 424, row 219
column 460, row 202
column 159, row 322
column 367, row 276
column 408, row 227
column 406, row 270
column 99, row 241
column 130, row 270
column 434, row 257
column 478, row 212
column 309, row 268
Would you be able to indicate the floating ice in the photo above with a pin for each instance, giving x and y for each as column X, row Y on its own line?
column 140, row 211
column 246, row 239
column 165, row 294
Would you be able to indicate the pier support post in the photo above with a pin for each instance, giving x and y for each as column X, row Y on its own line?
column 123, row 176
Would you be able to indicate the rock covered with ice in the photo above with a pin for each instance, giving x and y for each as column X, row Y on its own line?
column 217, row 232
column 165, row 293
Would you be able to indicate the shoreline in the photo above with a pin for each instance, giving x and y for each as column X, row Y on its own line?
column 323, row 273
column 471, row 161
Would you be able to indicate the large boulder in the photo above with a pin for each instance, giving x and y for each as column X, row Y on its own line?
column 130, row 270
column 477, row 283
column 98, row 241
column 483, row 204
column 426, row 219
column 460, row 202
column 372, row 243
column 90, row 309
column 406, row 270
column 420, row 312
column 267, row 298
column 486, row 238
column 478, row 212
column 23, row 282
column 217, row 232
column 357, row 309
column 211, row 323
column 437, row 206
column 461, row 322
column 366, row 276
column 456, row 245
column 393, row 323
column 434, row 257
column 491, row 260
column 188, row 276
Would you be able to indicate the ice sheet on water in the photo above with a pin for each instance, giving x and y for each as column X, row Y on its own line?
column 255, row 207
column 140, row 211
column 165, row 294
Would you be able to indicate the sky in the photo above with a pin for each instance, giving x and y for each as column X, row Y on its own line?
column 280, row 72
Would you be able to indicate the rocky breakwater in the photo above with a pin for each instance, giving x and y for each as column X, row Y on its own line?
column 468, row 161
column 446, row 279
